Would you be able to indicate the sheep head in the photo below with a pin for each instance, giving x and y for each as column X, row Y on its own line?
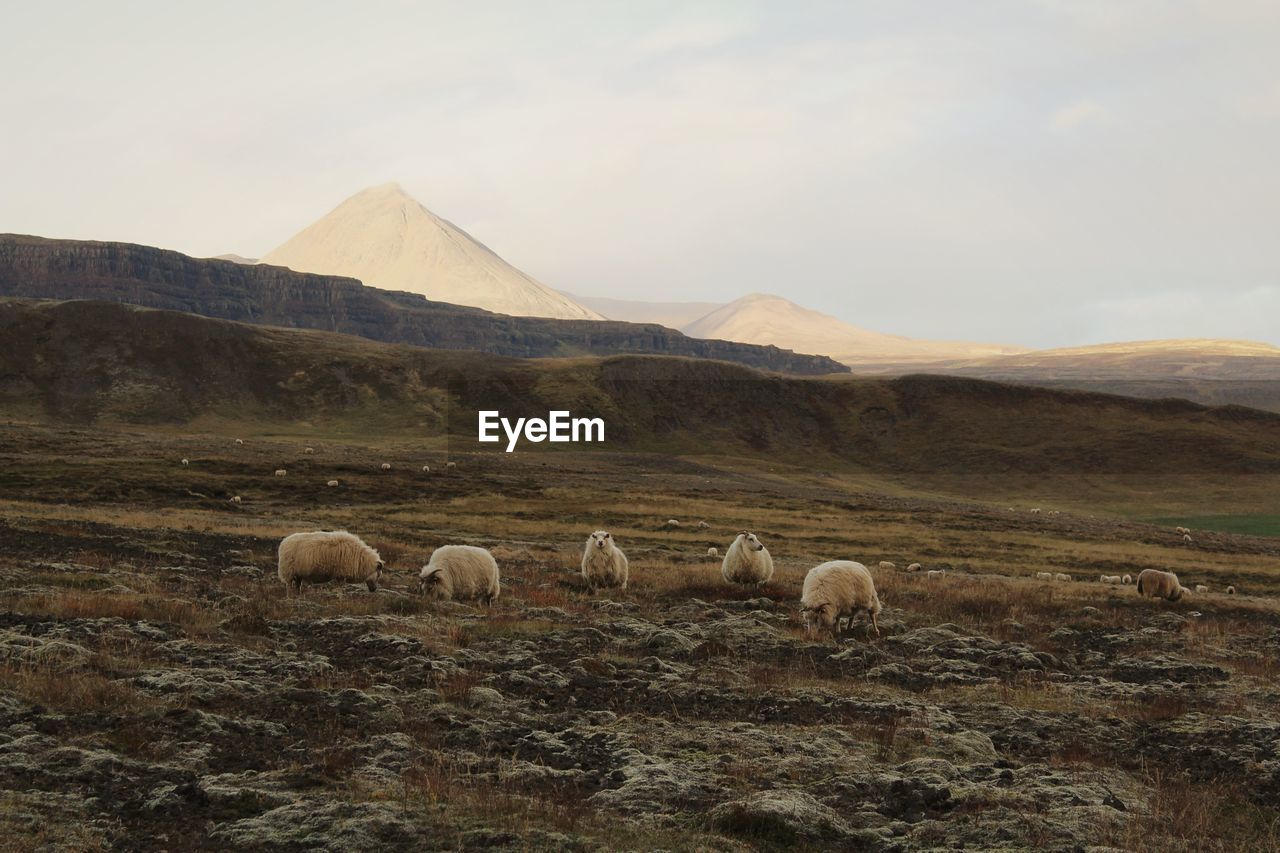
column 818, row 618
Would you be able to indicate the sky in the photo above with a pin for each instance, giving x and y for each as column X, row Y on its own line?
column 1035, row 172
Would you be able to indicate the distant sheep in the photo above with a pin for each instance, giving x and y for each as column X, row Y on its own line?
column 281, row 472
column 328, row 555
column 1182, row 531
column 603, row 563
column 331, row 483
column 702, row 525
column 186, row 462
column 386, row 466
column 747, row 561
column 1231, row 590
column 458, row 572
column 1055, row 512
column 235, row 499
column 1158, row 584
column 1201, row 588
column 1060, row 576
column 308, row 450
column 914, row 567
column 671, row 523
column 426, row 469
column 835, row 590
column 1186, row 537
column 239, row 441
column 451, row 464
column 1035, row 510
column 713, row 551
column 1127, row 579
column 935, row 573
column 885, row 565
column 1044, row 576
column 1109, row 578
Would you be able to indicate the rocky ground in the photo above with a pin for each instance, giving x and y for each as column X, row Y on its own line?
column 159, row 691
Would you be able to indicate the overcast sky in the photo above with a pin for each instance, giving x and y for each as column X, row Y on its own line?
column 1041, row 172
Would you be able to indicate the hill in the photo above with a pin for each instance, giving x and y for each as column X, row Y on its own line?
column 84, row 362
column 38, row 268
column 386, row 239
column 761, row 318
column 674, row 315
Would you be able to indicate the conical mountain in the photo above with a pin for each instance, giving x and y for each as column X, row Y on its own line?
column 386, row 239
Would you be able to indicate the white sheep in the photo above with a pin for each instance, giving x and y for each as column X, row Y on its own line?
column 1158, row 584
column 1231, row 590
column 836, row 590
column 1035, row 510
column 235, row 499
column 1127, row 579
column 713, row 551
column 1182, row 530
column 671, row 524
column 186, row 462
column 239, row 441
column 914, row 567
column 426, row 469
column 1044, row 576
column 935, row 573
column 328, row 555
column 1186, row 537
column 281, row 472
column 886, row 566
column 1109, row 578
column 308, row 450
column 451, row 464
column 702, row 525
column 331, row 483
column 1201, row 588
column 386, row 466
column 747, row 561
column 1060, row 576
column 603, row 563
column 460, row 571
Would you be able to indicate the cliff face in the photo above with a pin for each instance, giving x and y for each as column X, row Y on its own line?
column 34, row 267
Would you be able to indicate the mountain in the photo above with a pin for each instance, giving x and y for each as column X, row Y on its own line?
column 386, row 239
column 674, row 315
column 234, row 258
column 766, row 319
column 86, row 362
column 34, row 267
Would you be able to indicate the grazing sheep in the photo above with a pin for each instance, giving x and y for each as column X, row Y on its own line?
column 328, row 555
column 1186, row 537
column 1055, row 512
column 1060, row 576
column 747, row 561
column 235, row 499
column 1109, row 578
column 713, row 551
column 887, row 566
column 280, row 472
column 671, row 523
column 308, row 450
column 426, row 469
column 239, row 441
column 460, row 571
column 603, row 563
column 386, row 466
column 1127, row 579
column 1044, row 576
column 836, row 590
column 1201, row 588
column 186, row 461
column 1182, row 531
column 702, row 525
column 331, row 483
column 451, row 464
column 1035, row 510
column 1158, row 584
column 1231, row 590
column 914, row 567
column 935, row 573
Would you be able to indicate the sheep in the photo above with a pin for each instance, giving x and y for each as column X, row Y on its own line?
column 386, row 466
column 1231, row 590
column 186, row 462
column 702, row 525
column 1201, row 588
column 713, row 551
column 603, row 563
column 885, row 565
column 332, row 483
column 935, row 573
column 1127, row 579
column 1035, row 510
column 426, row 469
column 747, row 561
column 235, row 499
column 1059, row 576
column 308, row 450
column 1186, row 537
column 835, row 590
column 239, row 441
column 671, row 524
column 328, row 555
column 1182, row 531
column 1044, row 576
column 914, row 567
column 1109, row 578
column 451, row 464
column 281, row 472
column 460, row 571
column 1158, row 584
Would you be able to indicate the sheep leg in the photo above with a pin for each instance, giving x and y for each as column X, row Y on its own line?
column 874, row 624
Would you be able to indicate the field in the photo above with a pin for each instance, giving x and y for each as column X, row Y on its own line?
column 159, row 689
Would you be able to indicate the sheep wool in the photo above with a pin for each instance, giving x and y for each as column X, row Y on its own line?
column 603, row 563
column 328, row 555
column 1158, row 584
column 747, row 561
column 835, row 590
column 458, row 572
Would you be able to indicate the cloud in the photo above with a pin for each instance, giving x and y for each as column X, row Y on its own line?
column 1078, row 113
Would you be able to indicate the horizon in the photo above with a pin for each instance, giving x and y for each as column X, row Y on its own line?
column 1046, row 175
